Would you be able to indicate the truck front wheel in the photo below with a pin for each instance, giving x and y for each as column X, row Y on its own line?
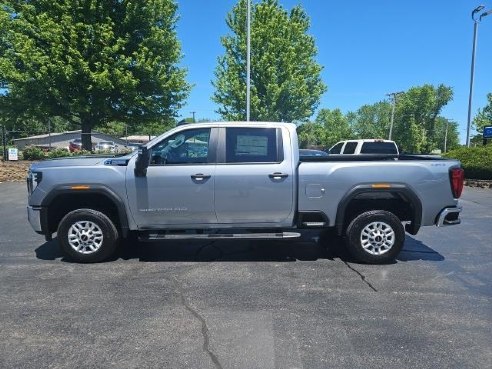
column 87, row 236
column 375, row 237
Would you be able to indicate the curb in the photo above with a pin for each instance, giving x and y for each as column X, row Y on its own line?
column 478, row 183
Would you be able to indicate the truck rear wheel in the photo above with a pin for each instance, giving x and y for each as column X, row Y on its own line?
column 375, row 237
column 87, row 236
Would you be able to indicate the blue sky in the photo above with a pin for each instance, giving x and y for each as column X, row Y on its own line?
column 367, row 49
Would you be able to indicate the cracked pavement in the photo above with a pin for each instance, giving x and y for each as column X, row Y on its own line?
column 248, row 304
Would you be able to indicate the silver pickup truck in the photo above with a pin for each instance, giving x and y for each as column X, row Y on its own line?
column 239, row 181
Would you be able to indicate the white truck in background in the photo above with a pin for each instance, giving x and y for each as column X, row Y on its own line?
column 366, row 146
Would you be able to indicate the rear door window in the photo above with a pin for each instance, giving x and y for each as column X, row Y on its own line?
column 253, row 145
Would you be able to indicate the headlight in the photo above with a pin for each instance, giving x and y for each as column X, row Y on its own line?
column 33, row 179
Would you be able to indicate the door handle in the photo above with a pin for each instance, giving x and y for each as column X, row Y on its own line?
column 278, row 175
column 200, row 176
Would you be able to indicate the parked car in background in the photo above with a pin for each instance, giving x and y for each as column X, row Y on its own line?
column 75, row 145
column 367, row 146
column 132, row 146
column 107, row 146
column 312, row 152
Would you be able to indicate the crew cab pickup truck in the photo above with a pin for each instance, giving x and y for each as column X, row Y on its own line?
column 239, row 181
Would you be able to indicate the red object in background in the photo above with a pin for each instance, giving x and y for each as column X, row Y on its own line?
column 75, row 145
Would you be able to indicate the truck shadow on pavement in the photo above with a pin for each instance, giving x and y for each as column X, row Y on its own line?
column 308, row 248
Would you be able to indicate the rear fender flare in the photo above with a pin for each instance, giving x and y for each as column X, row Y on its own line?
column 408, row 193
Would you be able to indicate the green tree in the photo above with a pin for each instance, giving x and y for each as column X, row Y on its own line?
column 484, row 116
column 91, row 62
column 311, row 134
column 417, row 111
column 452, row 138
column 335, row 126
column 371, row 121
column 285, row 78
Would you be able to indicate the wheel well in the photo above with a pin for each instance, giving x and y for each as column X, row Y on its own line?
column 65, row 203
column 395, row 202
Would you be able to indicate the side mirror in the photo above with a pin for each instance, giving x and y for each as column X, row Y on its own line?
column 142, row 162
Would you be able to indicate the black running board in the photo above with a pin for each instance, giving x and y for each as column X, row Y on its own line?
column 218, row 236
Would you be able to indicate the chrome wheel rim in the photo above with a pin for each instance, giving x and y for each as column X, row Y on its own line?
column 85, row 237
column 377, row 238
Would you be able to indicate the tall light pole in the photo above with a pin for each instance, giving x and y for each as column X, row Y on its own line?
column 393, row 95
column 475, row 30
column 248, row 62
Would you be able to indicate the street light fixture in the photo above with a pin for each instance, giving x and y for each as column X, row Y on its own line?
column 474, row 13
column 484, row 14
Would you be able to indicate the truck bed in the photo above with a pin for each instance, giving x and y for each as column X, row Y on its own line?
column 368, row 157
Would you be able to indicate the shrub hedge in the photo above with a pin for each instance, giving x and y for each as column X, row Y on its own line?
column 33, row 153
column 477, row 161
column 36, row 153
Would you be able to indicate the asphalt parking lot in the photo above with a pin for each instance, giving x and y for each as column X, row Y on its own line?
column 248, row 304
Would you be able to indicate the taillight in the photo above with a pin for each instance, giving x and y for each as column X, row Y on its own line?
column 457, row 177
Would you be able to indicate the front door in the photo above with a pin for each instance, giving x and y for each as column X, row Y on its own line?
column 179, row 186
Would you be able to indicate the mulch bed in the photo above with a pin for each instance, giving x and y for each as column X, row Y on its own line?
column 13, row 171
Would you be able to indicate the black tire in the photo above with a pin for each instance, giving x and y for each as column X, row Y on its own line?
column 93, row 232
column 375, row 237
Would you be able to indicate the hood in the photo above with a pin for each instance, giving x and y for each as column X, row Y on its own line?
column 80, row 161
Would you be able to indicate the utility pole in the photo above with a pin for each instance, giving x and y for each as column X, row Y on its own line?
column 49, row 133
column 248, row 63
column 446, row 136
column 193, row 112
column 393, row 95
column 472, row 74
column 4, row 143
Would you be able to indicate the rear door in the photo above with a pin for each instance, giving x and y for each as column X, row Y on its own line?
column 254, row 178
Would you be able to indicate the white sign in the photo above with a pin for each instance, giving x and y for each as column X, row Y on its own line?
column 13, row 153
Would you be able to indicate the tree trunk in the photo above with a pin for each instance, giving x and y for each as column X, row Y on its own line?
column 86, row 124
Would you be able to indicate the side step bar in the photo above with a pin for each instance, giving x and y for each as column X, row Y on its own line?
column 218, row 236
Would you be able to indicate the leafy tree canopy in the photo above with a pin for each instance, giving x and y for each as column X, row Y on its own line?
column 91, row 62
column 484, row 116
column 285, row 77
column 371, row 121
column 416, row 114
column 417, row 125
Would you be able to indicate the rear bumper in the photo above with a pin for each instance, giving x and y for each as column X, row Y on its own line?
column 449, row 216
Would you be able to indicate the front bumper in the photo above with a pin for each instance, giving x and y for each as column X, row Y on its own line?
column 449, row 216
column 34, row 216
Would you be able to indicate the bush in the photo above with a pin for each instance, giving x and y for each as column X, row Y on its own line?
column 477, row 161
column 81, row 153
column 58, row 153
column 33, row 153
